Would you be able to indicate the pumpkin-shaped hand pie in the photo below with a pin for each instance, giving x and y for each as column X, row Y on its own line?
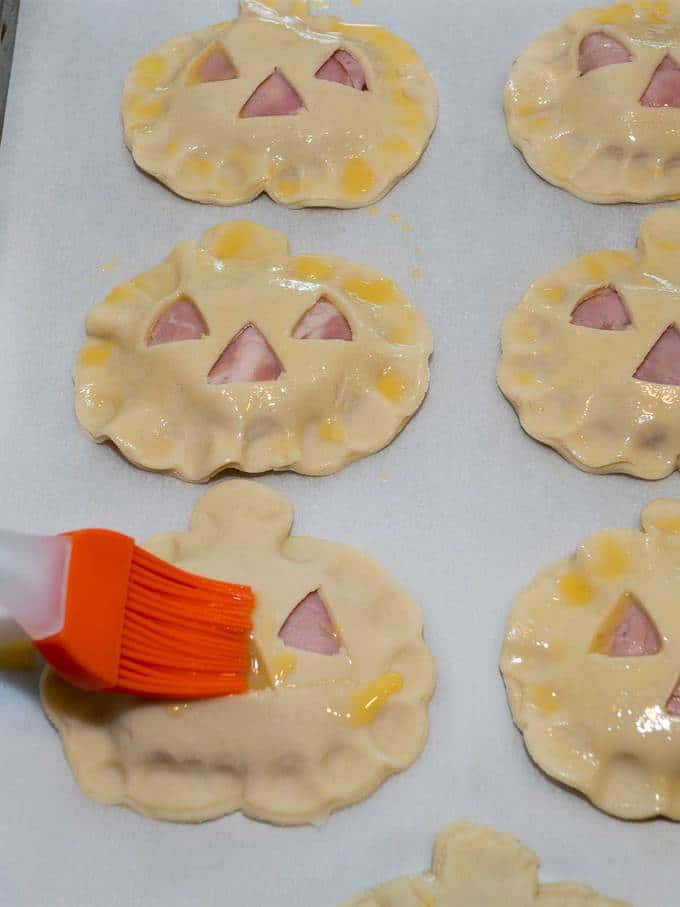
column 474, row 866
column 594, row 106
column 338, row 694
column 591, row 662
column 308, row 109
column 591, row 356
column 232, row 353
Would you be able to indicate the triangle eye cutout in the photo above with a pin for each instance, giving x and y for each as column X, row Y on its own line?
column 275, row 97
column 604, row 310
column 247, row 357
column 673, row 703
column 182, row 321
column 322, row 322
column 344, row 69
column 664, row 88
column 628, row 632
column 309, row 627
column 599, row 49
column 661, row 365
column 214, row 65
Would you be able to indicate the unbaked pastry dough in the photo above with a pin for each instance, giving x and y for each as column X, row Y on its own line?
column 574, row 386
column 591, row 661
column 335, row 401
column 316, row 732
column 345, row 147
column 474, row 866
column 591, row 134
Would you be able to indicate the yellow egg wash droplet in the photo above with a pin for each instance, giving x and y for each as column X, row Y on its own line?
column 18, row 655
column 124, row 292
column 95, row 355
column 399, row 52
column 374, row 210
column 257, row 676
column 232, row 240
column 560, row 161
column 198, row 166
column 526, row 110
column 416, row 272
column 403, row 331
column 390, row 386
column 523, row 378
column 284, row 665
column 395, row 218
column 310, row 267
column 357, row 177
column 593, row 267
column 287, row 187
column 409, row 115
column 145, row 111
column 667, row 524
column 331, row 430
column 618, row 14
column 379, row 292
column 394, row 147
column 552, row 294
column 177, row 709
column 364, row 706
column 574, row 589
column 539, row 123
column 544, row 697
column 149, row 71
column 612, row 559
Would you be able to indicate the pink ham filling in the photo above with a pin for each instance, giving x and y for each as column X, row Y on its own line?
column 662, row 362
column 323, row 322
column 664, row 89
column 673, row 704
column 603, row 311
column 247, row 358
column 275, row 97
column 635, row 634
column 600, row 49
column 182, row 321
column 309, row 627
column 344, row 69
column 216, row 67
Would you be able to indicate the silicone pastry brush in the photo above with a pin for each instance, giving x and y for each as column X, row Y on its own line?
column 108, row 615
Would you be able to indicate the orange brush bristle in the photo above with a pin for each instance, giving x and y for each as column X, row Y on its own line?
column 138, row 625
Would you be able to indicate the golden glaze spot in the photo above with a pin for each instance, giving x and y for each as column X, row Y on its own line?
column 551, row 294
column 95, row 354
column 390, row 385
column 364, row 706
column 523, row 378
column 331, row 430
column 357, row 176
column 611, row 558
column 574, row 589
column 671, row 525
column 198, row 166
column 311, row 267
column 379, row 292
column 149, row 71
column 124, row 292
column 618, row 14
column 544, row 697
column 284, row 665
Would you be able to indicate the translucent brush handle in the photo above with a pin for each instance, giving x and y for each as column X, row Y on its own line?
column 33, row 576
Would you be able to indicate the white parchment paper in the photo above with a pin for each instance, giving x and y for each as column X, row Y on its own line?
column 462, row 508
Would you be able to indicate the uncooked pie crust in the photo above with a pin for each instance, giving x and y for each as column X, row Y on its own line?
column 346, row 149
column 474, row 866
column 574, row 387
column 590, row 134
column 336, row 401
column 315, row 732
column 595, row 722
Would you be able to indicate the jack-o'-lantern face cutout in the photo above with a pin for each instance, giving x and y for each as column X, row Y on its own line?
column 591, row 663
column 337, row 697
column 311, row 110
column 594, row 106
column 233, row 353
column 591, row 356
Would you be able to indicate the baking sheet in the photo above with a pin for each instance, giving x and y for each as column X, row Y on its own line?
column 462, row 507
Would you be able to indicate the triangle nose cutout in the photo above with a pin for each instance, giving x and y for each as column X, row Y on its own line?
column 247, row 357
column 343, row 68
column 627, row 632
column 603, row 311
column 215, row 65
column 661, row 365
column 182, row 321
column 600, row 49
column 664, row 89
column 275, row 97
column 309, row 627
column 322, row 322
